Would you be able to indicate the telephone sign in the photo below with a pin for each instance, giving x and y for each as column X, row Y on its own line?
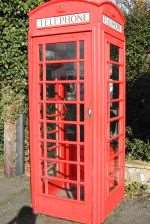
column 63, row 20
column 111, row 23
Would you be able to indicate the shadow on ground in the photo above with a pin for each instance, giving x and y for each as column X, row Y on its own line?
column 25, row 216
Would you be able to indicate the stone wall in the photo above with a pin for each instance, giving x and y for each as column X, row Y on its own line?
column 138, row 171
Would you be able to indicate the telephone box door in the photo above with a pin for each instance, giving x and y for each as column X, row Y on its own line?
column 61, row 127
column 115, row 70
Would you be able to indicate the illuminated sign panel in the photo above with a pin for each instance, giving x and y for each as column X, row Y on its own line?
column 63, row 20
column 112, row 24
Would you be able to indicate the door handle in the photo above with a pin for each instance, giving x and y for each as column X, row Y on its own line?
column 89, row 113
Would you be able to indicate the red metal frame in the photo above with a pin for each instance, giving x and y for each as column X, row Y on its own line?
column 72, row 175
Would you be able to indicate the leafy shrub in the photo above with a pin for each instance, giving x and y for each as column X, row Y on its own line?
column 13, row 58
column 137, row 148
column 138, row 79
column 135, row 188
column 138, row 40
column 13, row 72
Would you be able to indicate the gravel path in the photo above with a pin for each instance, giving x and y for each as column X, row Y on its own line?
column 15, row 197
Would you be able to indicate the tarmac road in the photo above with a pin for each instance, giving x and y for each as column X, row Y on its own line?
column 15, row 198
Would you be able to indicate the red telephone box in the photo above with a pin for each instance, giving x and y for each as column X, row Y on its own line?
column 77, row 108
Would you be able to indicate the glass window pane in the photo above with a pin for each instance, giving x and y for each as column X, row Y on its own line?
column 62, row 189
column 70, row 132
column 52, row 150
column 52, row 169
column 50, row 91
column 81, row 49
column 72, row 172
column 114, row 72
column 82, row 153
column 41, row 72
column 42, row 130
column 51, row 131
column 67, row 112
column 114, row 128
column 42, row 168
column 114, row 109
column 72, row 152
column 41, row 111
column 82, row 173
column 70, row 112
column 40, row 52
column 61, row 91
column 81, row 92
column 41, row 92
column 61, row 51
column 82, row 193
column 81, row 112
column 114, row 52
column 51, row 111
column 81, row 70
column 70, row 91
column 114, row 144
column 43, row 186
column 81, row 133
column 114, row 173
column 114, row 90
column 61, row 71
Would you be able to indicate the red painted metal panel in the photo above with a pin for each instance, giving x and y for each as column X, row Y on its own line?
column 77, row 111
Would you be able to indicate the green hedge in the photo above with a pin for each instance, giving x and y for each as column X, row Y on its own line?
column 13, row 50
column 13, row 58
column 138, row 80
column 13, row 72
